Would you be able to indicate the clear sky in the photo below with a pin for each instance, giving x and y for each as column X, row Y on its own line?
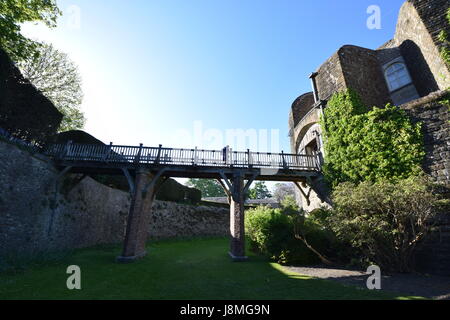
column 183, row 72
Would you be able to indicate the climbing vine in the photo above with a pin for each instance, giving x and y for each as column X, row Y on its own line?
column 369, row 145
column 444, row 38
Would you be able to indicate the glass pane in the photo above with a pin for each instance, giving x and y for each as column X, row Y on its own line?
column 397, row 76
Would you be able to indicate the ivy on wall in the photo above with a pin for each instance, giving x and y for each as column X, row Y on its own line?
column 369, row 145
column 444, row 38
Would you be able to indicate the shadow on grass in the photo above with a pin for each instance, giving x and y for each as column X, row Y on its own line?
column 185, row 270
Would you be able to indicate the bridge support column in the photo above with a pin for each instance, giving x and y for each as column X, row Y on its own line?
column 237, row 229
column 138, row 217
column 236, row 191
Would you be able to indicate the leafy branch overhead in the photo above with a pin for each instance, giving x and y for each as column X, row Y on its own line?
column 15, row 12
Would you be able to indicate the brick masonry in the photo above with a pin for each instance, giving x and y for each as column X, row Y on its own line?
column 330, row 77
column 434, row 255
column 418, row 26
column 84, row 214
column 435, row 118
column 362, row 73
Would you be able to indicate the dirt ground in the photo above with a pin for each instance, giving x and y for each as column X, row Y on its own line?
column 429, row 286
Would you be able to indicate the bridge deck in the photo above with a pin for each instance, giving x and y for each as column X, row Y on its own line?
column 184, row 163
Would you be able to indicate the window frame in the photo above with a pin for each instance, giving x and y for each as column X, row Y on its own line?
column 404, row 72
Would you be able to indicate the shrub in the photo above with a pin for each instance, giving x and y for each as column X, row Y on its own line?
column 268, row 229
column 289, row 205
column 273, row 232
column 386, row 221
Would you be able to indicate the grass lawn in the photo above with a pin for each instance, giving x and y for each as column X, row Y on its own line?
column 193, row 269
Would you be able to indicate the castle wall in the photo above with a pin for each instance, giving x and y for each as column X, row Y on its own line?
column 363, row 73
column 301, row 106
column 356, row 68
column 435, row 117
column 330, row 78
column 387, row 53
column 418, row 26
column 311, row 118
column 433, row 256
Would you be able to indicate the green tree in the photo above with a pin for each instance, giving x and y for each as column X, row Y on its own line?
column 208, row 187
column 57, row 77
column 371, row 145
column 15, row 12
column 283, row 190
column 259, row 191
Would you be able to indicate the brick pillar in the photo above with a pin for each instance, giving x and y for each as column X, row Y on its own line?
column 237, row 245
column 138, row 219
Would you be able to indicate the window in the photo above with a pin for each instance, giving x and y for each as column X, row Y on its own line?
column 397, row 76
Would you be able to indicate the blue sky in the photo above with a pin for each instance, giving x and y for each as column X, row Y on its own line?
column 152, row 70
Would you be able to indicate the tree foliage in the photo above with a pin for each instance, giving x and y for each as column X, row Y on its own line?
column 57, row 77
column 15, row 12
column 209, row 188
column 386, row 221
column 283, row 190
column 369, row 145
column 259, row 191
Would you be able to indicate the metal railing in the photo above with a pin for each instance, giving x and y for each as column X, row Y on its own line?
column 31, row 147
column 187, row 157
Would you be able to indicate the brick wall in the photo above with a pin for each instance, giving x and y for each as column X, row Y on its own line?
column 434, row 255
column 435, row 118
column 363, row 73
column 301, row 106
column 418, row 25
column 330, row 78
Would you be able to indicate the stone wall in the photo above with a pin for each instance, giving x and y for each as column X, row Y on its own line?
column 363, row 73
column 356, row 68
column 34, row 218
column 435, row 118
column 330, row 78
column 433, row 256
column 418, row 26
column 300, row 108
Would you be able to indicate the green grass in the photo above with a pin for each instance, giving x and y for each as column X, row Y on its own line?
column 193, row 269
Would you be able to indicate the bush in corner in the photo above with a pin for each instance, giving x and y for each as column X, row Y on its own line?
column 386, row 221
column 272, row 232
